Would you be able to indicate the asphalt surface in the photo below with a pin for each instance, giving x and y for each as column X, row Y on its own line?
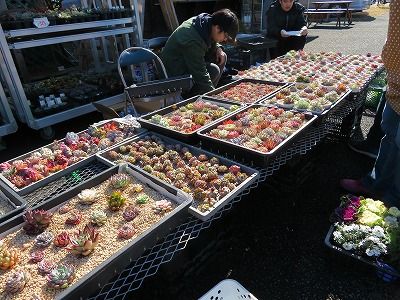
column 271, row 241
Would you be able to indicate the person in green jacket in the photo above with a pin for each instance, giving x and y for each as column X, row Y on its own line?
column 193, row 48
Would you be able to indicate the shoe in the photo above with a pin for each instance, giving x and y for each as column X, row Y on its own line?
column 356, row 187
column 364, row 148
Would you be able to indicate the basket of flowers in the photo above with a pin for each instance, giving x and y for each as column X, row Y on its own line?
column 369, row 231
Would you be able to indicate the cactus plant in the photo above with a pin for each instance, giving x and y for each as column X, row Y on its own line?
column 98, row 217
column 45, row 266
column 130, row 213
column 120, row 181
column 36, row 221
column 62, row 239
column 44, row 239
column 88, row 196
column 61, row 276
column 16, row 282
column 84, row 242
column 116, row 201
column 74, row 217
column 36, row 256
column 8, row 259
column 126, row 231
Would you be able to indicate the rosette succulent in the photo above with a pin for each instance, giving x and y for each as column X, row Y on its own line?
column 44, row 239
column 36, row 256
column 142, row 199
column 88, row 196
column 126, row 231
column 36, row 221
column 74, row 217
column 62, row 239
column 45, row 266
column 84, row 242
column 130, row 213
column 98, row 217
column 61, row 276
column 16, row 282
column 8, row 259
column 120, row 181
column 116, row 200
column 162, row 206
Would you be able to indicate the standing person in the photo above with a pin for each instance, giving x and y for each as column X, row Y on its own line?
column 193, row 48
column 284, row 16
column 384, row 179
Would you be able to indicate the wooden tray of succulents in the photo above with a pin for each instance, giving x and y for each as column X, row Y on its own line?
column 34, row 169
column 70, row 245
column 212, row 180
column 182, row 120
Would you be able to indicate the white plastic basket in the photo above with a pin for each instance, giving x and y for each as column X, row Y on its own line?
column 228, row 289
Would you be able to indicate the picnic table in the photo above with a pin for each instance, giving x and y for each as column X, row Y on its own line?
column 343, row 7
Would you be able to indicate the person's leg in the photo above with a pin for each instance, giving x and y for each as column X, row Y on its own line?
column 295, row 43
column 216, row 71
column 375, row 134
column 383, row 173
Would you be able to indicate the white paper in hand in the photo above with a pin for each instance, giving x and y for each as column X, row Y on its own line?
column 293, row 33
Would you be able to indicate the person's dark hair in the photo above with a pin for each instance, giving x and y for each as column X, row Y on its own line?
column 227, row 21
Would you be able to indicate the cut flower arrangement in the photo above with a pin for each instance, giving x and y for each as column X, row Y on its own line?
column 55, row 249
column 192, row 116
column 59, row 155
column 368, row 228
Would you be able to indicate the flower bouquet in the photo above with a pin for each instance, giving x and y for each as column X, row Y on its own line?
column 368, row 230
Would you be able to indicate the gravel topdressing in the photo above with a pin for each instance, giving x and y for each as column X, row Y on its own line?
column 109, row 242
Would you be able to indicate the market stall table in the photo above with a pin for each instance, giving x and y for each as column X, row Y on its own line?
column 343, row 4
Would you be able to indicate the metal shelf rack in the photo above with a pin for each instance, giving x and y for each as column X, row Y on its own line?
column 9, row 124
column 15, row 40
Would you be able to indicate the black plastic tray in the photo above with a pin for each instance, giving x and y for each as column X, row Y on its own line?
column 204, row 216
column 187, row 137
column 329, row 244
column 249, row 155
column 280, row 86
column 13, row 199
column 101, row 275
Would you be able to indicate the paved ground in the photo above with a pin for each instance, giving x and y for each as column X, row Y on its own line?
column 272, row 241
column 367, row 34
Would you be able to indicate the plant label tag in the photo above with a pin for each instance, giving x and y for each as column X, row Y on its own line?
column 51, row 103
column 42, row 103
column 41, row 22
column 58, row 100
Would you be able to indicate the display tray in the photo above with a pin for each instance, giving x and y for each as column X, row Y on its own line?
column 329, row 243
column 279, row 85
column 326, row 110
column 187, row 137
column 103, row 272
column 247, row 154
column 204, row 216
column 10, row 203
column 34, row 185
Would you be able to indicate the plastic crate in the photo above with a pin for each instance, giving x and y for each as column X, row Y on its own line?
column 228, row 289
column 243, row 59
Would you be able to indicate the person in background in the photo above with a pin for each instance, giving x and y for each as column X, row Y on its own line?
column 284, row 16
column 383, row 182
column 193, row 48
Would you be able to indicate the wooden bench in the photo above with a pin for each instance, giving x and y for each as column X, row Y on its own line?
column 325, row 12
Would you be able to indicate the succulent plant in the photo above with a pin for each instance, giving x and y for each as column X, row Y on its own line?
column 8, row 259
column 61, row 276
column 162, row 206
column 16, row 282
column 44, row 239
column 98, row 217
column 45, row 266
column 88, row 196
column 36, row 256
column 142, row 199
column 116, row 200
column 84, row 242
column 130, row 213
column 126, row 231
column 36, row 221
column 64, row 209
column 74, row 217
column 137, row 188
column 61, row 240
column 120, row 181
